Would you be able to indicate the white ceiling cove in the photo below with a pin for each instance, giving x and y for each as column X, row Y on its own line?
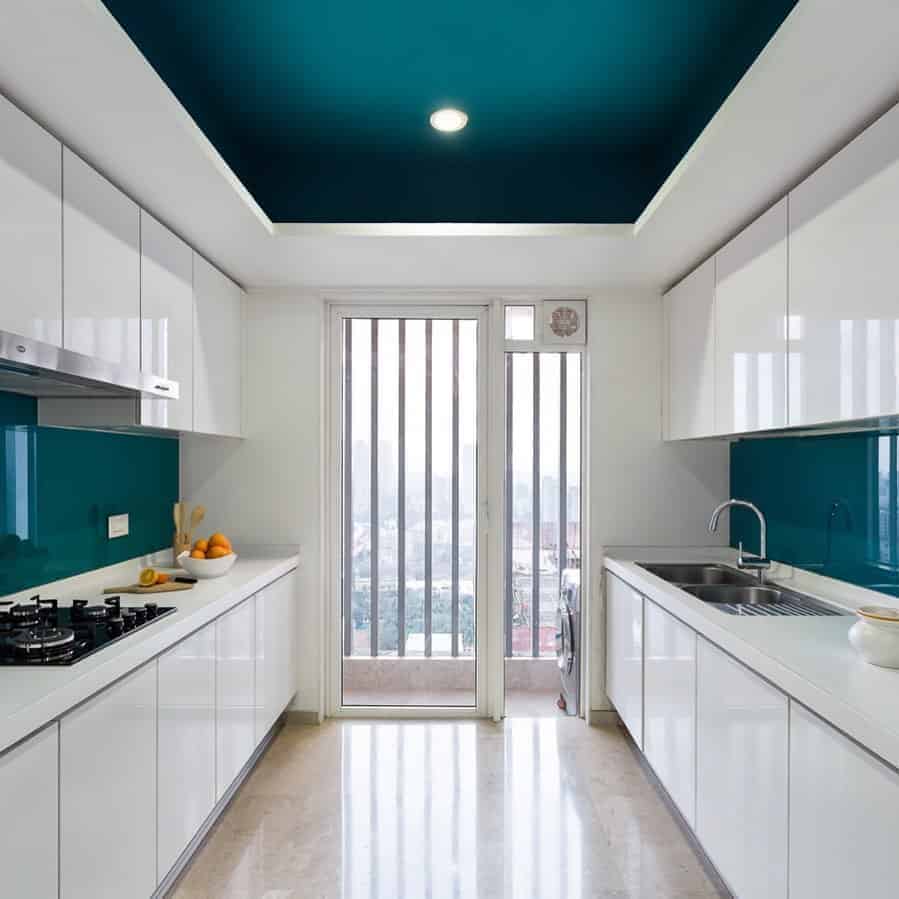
column 829, row 70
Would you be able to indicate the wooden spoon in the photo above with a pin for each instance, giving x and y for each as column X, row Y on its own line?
column 177, row 514
column 196, row 517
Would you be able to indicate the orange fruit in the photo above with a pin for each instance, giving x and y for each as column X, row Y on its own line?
column 197, row 554
column 220, row 540
column 147, row 577
column 216, row 552
column 202, row 545
column 162, row 577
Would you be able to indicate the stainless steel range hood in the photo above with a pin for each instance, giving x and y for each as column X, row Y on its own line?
column 44, row 370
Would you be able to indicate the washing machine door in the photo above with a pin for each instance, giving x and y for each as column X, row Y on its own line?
column 565, row 640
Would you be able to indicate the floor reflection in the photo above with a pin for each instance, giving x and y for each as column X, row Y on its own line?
column 535, row 808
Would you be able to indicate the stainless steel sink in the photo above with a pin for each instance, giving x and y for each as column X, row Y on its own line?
column 756, row 600
column 731, row 593
column 736, row 592
column 698, row 574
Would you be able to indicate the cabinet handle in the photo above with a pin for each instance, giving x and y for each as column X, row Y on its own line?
column 163, row 387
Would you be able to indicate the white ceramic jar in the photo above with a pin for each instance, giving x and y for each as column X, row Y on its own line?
column 876, row 636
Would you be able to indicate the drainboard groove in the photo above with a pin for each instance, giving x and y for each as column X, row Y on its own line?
column 783, row 607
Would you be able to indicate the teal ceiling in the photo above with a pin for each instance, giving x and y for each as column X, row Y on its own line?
column 579, row 109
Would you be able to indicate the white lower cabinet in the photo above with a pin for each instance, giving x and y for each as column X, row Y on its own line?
column 186, row 743
column 275, row 658
column 28, row 785
column 844, row 825
column 235, row 692
column 669, row 705
column 107, row 792
column 624, row 654
column 742, row 748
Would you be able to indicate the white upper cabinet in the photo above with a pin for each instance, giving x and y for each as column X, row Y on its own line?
column 624, row 654
column 30, row 786
column 167, row 322
column 217, row 351
column 750, row 327
column 101, row 272
column 844, row 827
column 669, row 704
column 844, row 282
column 30, row 228
column 742, row 747
column 689, row 313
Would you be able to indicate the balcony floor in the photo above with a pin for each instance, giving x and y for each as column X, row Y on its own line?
column 519, row 703
column 533, row 807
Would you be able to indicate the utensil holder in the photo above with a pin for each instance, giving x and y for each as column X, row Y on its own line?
column 180, row 544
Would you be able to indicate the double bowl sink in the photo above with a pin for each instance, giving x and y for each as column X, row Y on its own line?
column 737, row 593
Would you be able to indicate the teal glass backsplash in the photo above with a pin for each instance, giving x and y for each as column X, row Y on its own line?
column 59, row 487
column 830, row 502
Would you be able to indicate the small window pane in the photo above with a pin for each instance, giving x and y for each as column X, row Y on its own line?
column 519, row 322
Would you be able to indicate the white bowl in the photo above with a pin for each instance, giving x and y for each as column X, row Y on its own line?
column 876, row 640
column 206, row 568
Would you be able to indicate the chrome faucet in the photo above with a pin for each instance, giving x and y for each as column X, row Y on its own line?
column 760, row 563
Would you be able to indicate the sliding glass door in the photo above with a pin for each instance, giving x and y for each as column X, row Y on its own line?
column 411, row 400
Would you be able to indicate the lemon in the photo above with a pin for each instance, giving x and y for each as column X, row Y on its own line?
column 147, row 577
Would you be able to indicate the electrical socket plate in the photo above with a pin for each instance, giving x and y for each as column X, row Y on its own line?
column 117, row 525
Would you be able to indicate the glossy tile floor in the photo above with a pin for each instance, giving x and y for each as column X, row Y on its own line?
column 534, row 808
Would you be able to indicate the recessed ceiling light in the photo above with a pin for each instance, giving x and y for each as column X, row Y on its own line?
column 449, row 119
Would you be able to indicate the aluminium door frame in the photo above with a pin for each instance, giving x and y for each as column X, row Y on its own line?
column 489, row 611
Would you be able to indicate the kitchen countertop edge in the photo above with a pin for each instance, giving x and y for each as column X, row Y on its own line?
column 35, row 697
column 857, row 690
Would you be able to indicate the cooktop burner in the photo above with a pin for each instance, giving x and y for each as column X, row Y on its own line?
column 41, row 632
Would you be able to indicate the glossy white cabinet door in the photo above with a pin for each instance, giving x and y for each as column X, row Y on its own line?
column 844, row 824
column 750, row 330
column 217, row 351
column 624, row 654
column 29, row 797
column 235, row 638
column 107, row 785
column 186, row 743
column 275, row 656
column 741, row 775
column 167, row 322
column 689, row 313
column 101, row 266
column 844, row 271
column 30, row 228
column 669, row 704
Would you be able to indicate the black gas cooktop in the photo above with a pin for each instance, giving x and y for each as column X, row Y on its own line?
column 42, row 632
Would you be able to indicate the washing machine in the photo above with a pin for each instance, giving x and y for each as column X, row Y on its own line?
column 568, row 642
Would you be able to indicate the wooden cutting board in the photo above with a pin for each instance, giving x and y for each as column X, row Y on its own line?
column 170, row 587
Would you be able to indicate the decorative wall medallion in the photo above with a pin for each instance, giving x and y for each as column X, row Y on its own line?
column 565, row 321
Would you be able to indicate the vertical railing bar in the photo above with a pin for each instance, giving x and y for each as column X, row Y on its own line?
column 563, row 465
column 536, row 537
column 348, row 488
column 374, row 580
column 428, row 496
column 894, row 500
column 401, row 497
column 454, row 596
column 509, row 585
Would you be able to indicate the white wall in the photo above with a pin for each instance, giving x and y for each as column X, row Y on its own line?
column 643, row 492
column 267, row 488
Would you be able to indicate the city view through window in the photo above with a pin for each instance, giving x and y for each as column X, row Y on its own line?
column 410, row 489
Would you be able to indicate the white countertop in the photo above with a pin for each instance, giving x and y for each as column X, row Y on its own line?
column 809, row 658
column 31, row 697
